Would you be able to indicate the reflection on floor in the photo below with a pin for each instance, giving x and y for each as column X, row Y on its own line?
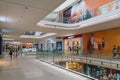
column 31, row 69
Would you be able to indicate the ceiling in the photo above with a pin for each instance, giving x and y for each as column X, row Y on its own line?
column 23, row 15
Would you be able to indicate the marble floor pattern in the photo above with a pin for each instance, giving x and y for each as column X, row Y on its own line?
column 33, row 69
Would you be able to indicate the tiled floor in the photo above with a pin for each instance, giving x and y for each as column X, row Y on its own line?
column 32, row 69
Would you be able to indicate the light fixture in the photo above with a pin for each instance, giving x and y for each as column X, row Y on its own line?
column 8, row 39
column 2, row 18
column 7, row 36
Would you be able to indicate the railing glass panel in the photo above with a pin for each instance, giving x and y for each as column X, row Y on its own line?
column 68, row 17
column 70, row 60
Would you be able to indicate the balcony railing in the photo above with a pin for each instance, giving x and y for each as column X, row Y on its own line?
column 105, row 9
column 105, row 58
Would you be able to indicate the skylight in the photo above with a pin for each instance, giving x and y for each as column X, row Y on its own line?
column 33, row 33
column 36, row 35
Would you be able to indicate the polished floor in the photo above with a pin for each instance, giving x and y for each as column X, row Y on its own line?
column 27, row 68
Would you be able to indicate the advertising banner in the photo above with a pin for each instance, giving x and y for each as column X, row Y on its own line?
column 86, row 9
column 80, row 12
column 66, row 15
column 93, row 4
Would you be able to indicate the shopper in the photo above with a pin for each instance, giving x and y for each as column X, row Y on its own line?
column 110, row 76
column 102, row 45
column 70, row 50
column 105, row 77
column 16, row 52
column 118, row 51
column 103, row 42
column 11, row 52
column 114, row 51
column 78, row 49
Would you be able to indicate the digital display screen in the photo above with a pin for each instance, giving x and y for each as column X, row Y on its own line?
column 59, row 46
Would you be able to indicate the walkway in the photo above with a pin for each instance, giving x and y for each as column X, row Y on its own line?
column 32, row 69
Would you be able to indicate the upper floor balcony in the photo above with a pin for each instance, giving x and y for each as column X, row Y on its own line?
column 82, row 12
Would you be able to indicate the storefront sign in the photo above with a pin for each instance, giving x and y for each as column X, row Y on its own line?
column 74, row 36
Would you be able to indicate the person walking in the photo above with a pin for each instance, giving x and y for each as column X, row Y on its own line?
column 114, row 51
column 11, row 52
column 118, row 51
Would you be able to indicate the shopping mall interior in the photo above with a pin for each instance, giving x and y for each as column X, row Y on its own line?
column 59, row 40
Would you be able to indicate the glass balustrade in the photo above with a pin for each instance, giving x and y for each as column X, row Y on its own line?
column 86, row 13
column 63, row 58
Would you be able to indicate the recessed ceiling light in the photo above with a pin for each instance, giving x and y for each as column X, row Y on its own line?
column 2, row 18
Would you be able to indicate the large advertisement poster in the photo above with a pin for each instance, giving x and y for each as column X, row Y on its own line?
column 98, row 7
column 93, row 4
column 86, row 9
column 80, row 12
column 66, row 15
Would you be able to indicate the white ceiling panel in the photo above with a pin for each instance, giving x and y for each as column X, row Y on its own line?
column 41, row 4
column 22, row 15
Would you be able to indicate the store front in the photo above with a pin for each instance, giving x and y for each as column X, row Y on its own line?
column 101, row 73
column 28, row 48
column 101, row 41
column 51, row 44
column 73, row 44
column 73, row 65
column 41, row 45
column 98, row 72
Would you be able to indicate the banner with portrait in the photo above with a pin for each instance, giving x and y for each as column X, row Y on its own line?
column 85, row 9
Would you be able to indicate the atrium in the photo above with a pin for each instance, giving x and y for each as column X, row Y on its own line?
column 59, row 39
